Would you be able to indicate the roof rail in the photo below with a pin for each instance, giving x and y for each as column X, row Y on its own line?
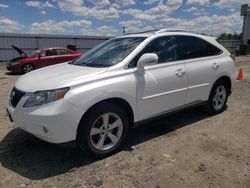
column 157, row 31
column 148, row 31
column 173, row 30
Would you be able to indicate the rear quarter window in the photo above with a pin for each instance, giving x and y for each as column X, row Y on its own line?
column 193, row 47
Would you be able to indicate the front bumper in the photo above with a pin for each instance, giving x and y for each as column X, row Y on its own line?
column 55, row 122
column 16, row 68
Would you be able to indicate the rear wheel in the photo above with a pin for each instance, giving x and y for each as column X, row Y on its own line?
column 28, row 68
column 218, row 98
column 103, row 130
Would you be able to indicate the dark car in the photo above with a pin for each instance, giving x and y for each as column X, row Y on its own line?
column 40, row 58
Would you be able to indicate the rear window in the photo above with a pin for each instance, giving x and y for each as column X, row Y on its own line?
column 193, row 47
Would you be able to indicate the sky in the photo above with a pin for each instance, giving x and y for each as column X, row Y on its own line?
column 108, row 17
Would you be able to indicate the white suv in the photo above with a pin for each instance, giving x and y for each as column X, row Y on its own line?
column 122, row 83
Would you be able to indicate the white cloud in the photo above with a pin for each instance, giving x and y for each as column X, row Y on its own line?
column 77, row 8
column 33, row 3
column 214, row 24
column 159, row 11
column 192, row 9
column 125, row 2
column 8, row 25
column 47, row 4
column 39, row 4
column 197, row 2
column 100, row 2
column 149, row 2
column 4, row 5
column 52, row 26
column 133, row 26
column 231, row 3
column 103, row 30
column 197, row 11
column 115, row 5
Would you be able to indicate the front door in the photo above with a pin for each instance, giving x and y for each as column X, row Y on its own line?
column 47, row 58
column 163, row 87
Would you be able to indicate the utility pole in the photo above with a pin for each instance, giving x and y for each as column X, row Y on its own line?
column 123, row 30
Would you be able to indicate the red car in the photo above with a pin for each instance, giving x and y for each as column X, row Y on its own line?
column 40, row 58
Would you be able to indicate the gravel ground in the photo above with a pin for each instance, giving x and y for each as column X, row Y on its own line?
column 187, row 149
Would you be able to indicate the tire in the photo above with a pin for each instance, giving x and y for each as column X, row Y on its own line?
column 95, row 137
column 28, row 68
column 218, row 98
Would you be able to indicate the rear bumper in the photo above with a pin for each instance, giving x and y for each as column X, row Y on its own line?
column 55, row 122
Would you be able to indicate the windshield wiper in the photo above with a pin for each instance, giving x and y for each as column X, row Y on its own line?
column 96, row 65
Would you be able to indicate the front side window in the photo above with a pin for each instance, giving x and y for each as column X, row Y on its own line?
column 165, row 47
column 51, row 52
column 193, row 47
column 109, row 53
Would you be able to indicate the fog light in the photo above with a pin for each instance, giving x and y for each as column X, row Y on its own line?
column 45, row 130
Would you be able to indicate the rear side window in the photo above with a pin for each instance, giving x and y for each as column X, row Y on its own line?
column 193, row 47
column 165, row 47
column 55, row 52
column 62, row 52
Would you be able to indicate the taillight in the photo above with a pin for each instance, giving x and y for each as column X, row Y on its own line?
column 232, row 56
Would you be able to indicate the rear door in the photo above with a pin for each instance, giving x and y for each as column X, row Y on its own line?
column 202, row 64
column 48, row 57
column 63, row 55
column 163, row 86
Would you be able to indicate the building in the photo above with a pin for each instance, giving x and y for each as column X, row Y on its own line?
column 245, row 11
column 30, row 42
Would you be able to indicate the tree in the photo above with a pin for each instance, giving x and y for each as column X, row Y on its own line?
column 230, row 36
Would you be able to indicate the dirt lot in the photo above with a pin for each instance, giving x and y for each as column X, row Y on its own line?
column 188, row 149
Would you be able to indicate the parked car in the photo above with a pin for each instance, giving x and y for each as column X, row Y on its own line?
column 40, row 58
column 122, row 83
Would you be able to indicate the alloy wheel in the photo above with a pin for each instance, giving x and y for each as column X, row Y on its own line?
column 219, row 97
column 28, row 68
column 106, row 131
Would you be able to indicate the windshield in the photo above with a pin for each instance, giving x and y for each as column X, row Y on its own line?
column 109, row 53
column 33, row 53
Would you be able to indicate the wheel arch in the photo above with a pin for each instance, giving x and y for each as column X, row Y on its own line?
column 28, row 63
column 118, row 101
column 225, row 79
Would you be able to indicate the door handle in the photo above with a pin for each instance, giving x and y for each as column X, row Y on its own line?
column 215, row 66
column 180, row 73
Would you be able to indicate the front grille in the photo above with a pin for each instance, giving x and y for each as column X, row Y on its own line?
column 15, row 96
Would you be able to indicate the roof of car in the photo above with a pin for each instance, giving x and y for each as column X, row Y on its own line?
column 52, row 48
column 164, row 31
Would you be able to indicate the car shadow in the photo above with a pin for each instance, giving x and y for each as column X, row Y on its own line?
column 35, row 159
column 12, row 74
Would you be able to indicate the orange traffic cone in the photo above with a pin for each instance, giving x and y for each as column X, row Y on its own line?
column 241, row 74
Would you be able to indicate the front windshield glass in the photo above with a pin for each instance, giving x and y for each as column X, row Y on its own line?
column 33, row 53
column 109, row 53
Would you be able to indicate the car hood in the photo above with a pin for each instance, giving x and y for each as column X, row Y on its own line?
column 16, row 59
column 21, row 52
column 56, row 76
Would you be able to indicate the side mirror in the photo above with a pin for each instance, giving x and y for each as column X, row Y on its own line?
column 146, row 59
column 39, row 56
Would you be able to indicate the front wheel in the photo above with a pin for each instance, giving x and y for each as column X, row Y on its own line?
column 103, row 130
column 28, row 68
column 218, row 98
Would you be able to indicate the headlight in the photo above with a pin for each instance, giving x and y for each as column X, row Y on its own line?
column 43, row 97
column 12, row 61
